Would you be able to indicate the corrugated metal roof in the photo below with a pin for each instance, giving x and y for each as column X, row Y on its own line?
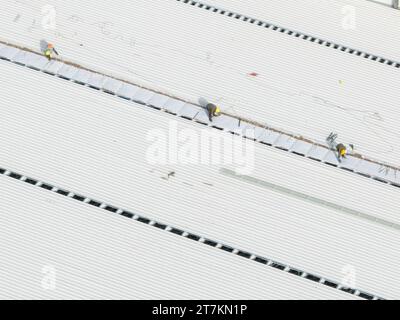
column 353, row 162
column 94, row 144
column 290, row 209
column 346, row 22
column 56, row 248
column 297, row 81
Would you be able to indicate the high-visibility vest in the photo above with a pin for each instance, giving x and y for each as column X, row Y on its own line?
column 213, row 109
column 341, row 149
column 47, row 52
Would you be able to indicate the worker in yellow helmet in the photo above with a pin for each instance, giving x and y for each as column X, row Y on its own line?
column 48, row 53
column 343, row 150
column 213, row 110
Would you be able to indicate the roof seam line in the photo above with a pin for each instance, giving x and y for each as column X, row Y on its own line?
column 291, row 32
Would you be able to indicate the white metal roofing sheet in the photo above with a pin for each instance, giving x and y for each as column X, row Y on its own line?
column 61, row 145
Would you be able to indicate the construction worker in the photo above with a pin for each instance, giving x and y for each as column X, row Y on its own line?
column 341, row 148
column 48, row 53
column 344, row 149
column 213, row 111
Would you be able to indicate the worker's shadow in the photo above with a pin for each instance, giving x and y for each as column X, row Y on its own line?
column 43, row 45
column 203, row 103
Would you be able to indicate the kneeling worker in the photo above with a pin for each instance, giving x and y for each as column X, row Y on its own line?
column 343, row 150
column 49, row 51
column 213, row 110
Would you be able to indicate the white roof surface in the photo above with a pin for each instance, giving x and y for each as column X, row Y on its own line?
column 94, row 144
column 330, row 20
column 95, row 255
column 301, row 213
column 301, row 87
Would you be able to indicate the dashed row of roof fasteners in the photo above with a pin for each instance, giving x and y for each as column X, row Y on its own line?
column 157, row 224
column 293, row 33
column 159, row 101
